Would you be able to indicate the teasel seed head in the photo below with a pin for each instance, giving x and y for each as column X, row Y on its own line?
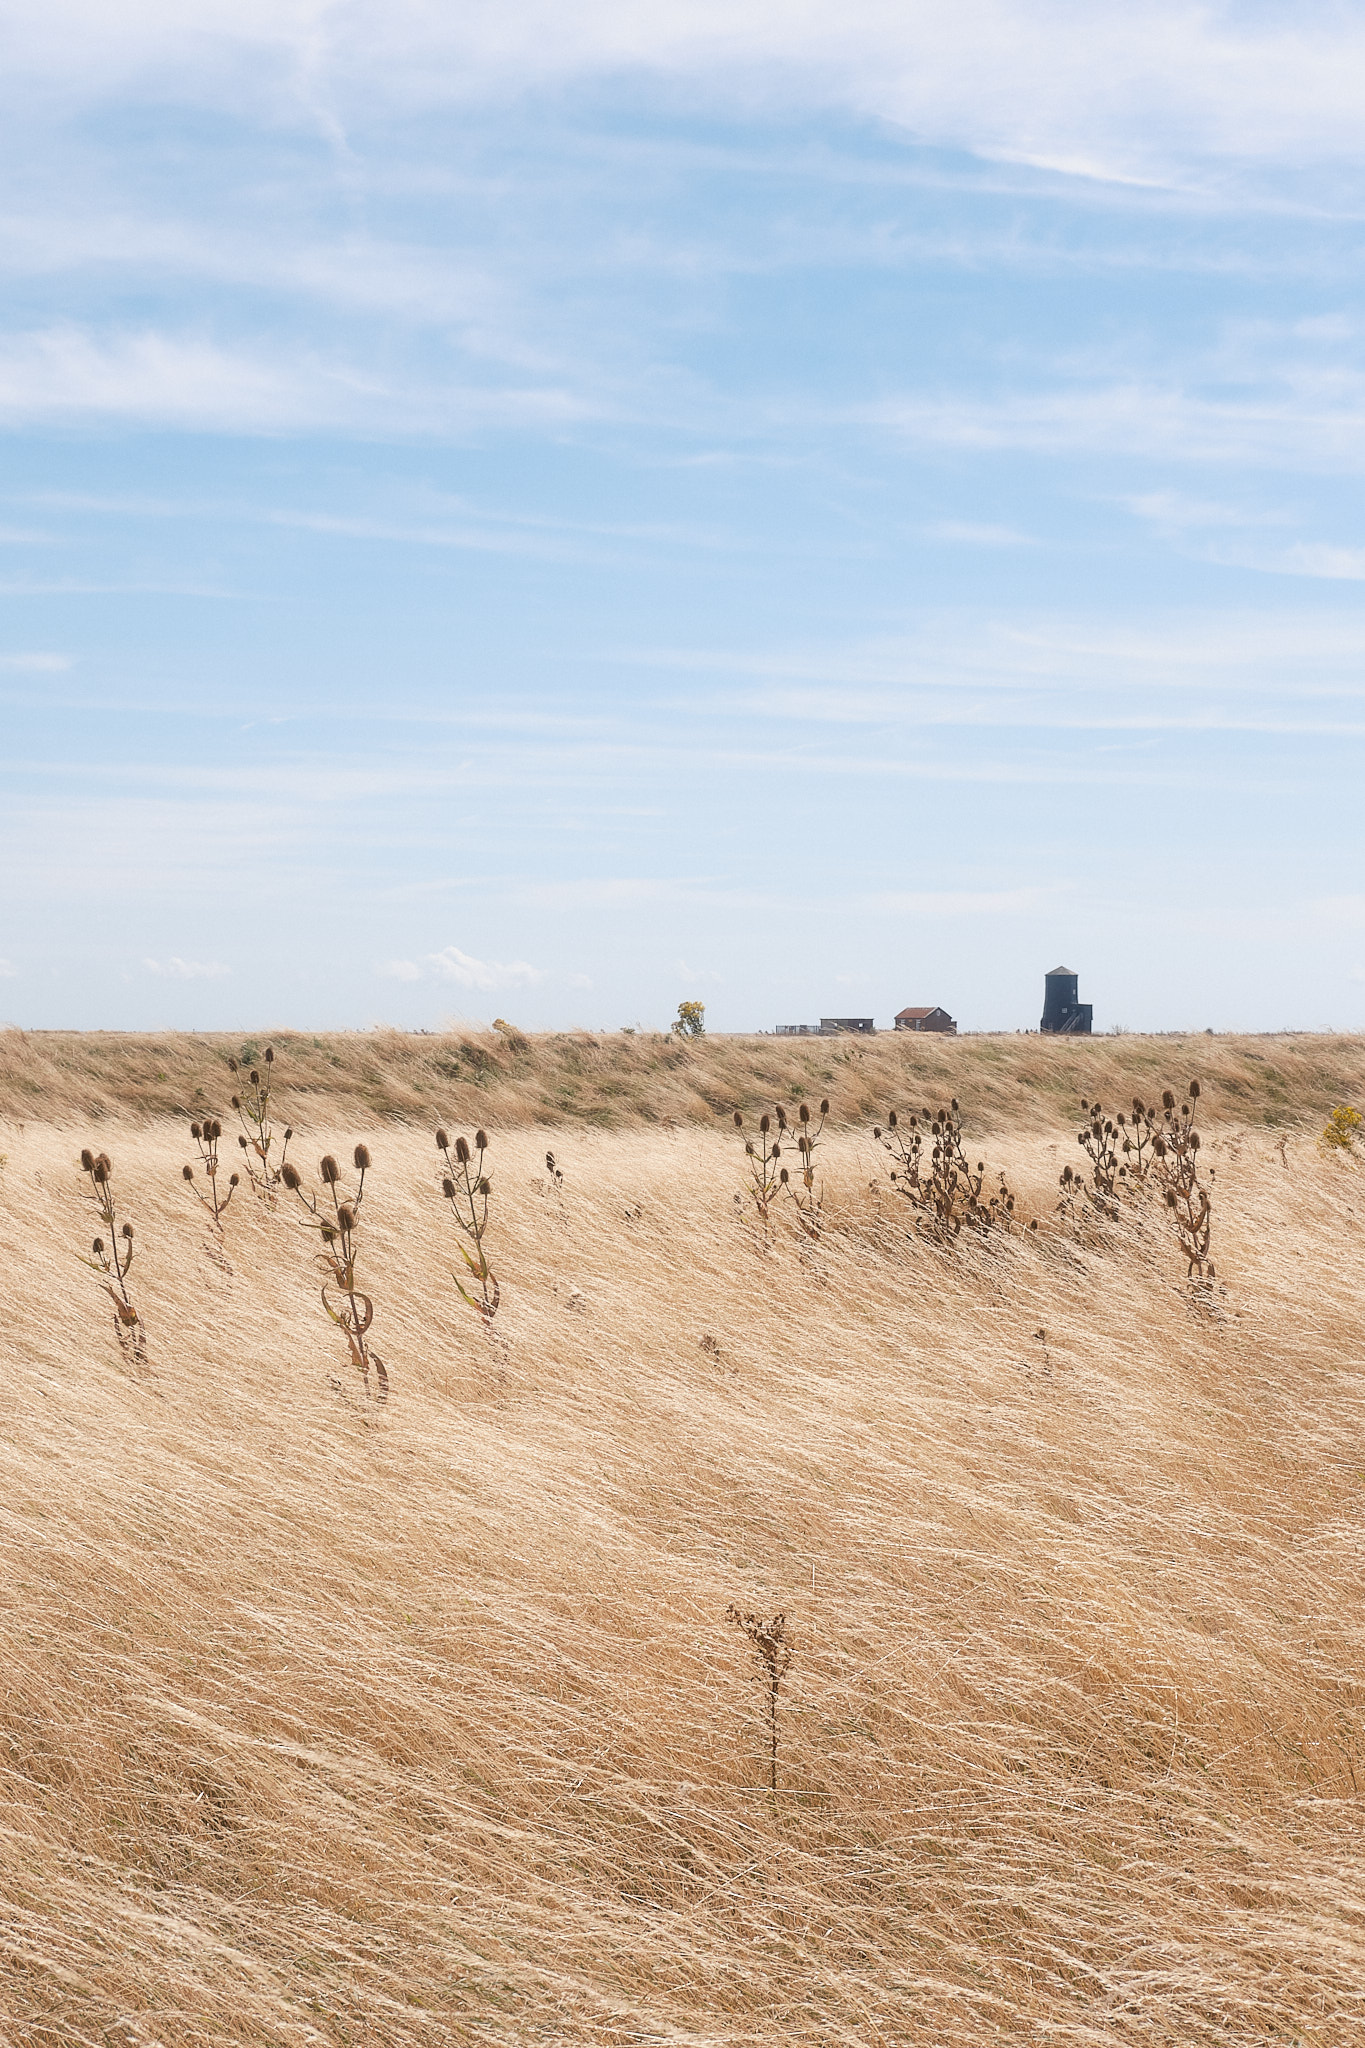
column 739, row 1121
column 1167, row 1099
column 1194, row 1091
column 289, row 1174
column 254, row 1078
column 442, row 1140
column 891, row 1120
column 195, row 1131
column 1159, row 1147
column 234, row 1180
column 462, row 1151
column 287, row 1135
column 87, row 1161
column 270, row 1055
column 127, row 1231
column 232, row 1066
column 187, row 1172
column 361, row 1155
column 242, row 1142
column 824, row 1105
column 484, row 1186
column 481, row 1141
column 1194, row 1141
column 330, row 1171
column 98, row 1247
column 448, row 1188
column 783, row 1176
column 236, row 1101
column 804, row 1114
column 329, row 1235
column 345, row 1217
column 549, row 1162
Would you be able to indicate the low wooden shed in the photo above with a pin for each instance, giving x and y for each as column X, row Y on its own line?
column 925, row 1020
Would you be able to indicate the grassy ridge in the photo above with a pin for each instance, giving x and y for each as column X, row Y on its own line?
column 616, row 1080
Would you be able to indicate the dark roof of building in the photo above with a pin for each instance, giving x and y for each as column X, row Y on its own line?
column 932, row 1010
column 1058, row 970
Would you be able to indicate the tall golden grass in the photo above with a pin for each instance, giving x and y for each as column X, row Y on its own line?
column 327, row 1723
column 616, row 1079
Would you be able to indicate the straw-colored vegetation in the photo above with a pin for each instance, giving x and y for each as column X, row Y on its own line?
column 331, row 1722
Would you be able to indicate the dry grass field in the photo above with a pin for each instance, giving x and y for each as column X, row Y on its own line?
column 327, row 1722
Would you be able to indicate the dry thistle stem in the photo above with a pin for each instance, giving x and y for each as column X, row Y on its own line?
column 766, row 1177
column 1175, row 1152
column 113, row 1260
column 808, row 1200
column 945, row 1191
column 335, row 1216
column 206, row 1136
column 467, row 1188
column 774, row 1654
column 257, row 1139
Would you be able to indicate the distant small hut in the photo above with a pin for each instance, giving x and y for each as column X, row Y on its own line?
column 831, row 1027
column 933, row 1019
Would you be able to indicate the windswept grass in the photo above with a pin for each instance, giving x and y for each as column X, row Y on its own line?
column 331, row 1723
column 615, row 1080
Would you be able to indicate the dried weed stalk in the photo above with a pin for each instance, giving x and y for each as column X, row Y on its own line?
column 335, row 1216
column 257, row 1138
column 468, row 1188
column 804, row 1193
column 773, row 1654
column 1176, row 1159
column 766, row 1177
column 113, row 1260
column 206, row 1136
column 945, row 1191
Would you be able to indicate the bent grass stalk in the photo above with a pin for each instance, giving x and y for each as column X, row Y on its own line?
column 467, row 1188
column 113, row 1260
column 335, row 1216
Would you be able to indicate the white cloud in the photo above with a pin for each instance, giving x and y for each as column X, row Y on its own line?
column 8, row 971
column 176, row 969
column 36, row 664
column 974, row 534
column 66, row 372
column 1090, row 87
column 450, row 964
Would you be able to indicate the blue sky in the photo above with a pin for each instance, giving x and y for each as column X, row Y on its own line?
column 545, row 512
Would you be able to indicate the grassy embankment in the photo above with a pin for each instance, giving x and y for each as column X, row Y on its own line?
column 326, row 1723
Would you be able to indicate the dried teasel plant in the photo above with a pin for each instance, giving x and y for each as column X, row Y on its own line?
column 1175, row 1151
column 335, row 1216
column 265, row 1170
column 468, row 1190
column 947, row 1194
column 555, row 1172
column 206, row 1136
column 773, row 1655
column 806, row 1196
column 1120, row 1151
column 766, row 1175
column 113, row 1259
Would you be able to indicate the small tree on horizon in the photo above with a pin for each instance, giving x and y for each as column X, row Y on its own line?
column 690, row 1021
